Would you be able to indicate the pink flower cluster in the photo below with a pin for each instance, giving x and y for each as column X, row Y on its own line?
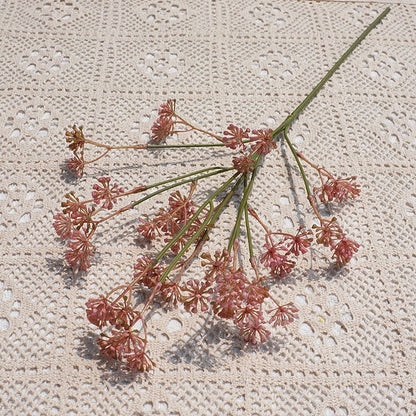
column 183, row 226
column 338, row 189
column 76, row 141
column 167, row 222
column 233, row 296
column 330, row 234
column 76, row 223
column 163, row 126
column 124, row 343
column 279, row 256
column 262, row 143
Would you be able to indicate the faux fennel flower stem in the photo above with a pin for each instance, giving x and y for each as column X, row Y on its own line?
column 285, row 126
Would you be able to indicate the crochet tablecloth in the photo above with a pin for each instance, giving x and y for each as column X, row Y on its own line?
column 108, row 65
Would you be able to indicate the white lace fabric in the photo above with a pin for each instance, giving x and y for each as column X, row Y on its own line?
column 108, row 65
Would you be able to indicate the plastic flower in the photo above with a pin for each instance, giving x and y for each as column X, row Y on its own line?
column 328, row 232
column 283, row 315
column 100, row 312
column 167, row 110
column 105, row 194
column 196, row 295
column 121, row 343
column 75, row 138
column 254, row 332
column 140, row 361
column 79, row 250
column 263, row 141
column 63, row 226
column 300, row 242
column 344, row 249
column 76, row 164
column 339, row 189
column 217, row 265
column 243, row 164
column 162, row 128
column 233, row 137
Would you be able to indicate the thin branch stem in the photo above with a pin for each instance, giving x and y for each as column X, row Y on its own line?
column 192, row 179
column 295, row 155
column 194, row 217
column 185, row 248
column 243, row 203
column 338, row 63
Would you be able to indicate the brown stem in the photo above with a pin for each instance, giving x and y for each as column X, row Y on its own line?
column 197, row 128
column 108, row 147
column 98, row 158
column 123, row 209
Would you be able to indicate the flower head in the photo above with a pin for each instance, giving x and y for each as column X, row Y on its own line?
column 106, row 194
column 121, row 343
column 63, row 226
column 147, row 229
column 124, row 317
column 234, row 136
column 281, row 266
column 171, row 292
column 273, row 252
column 300, row 242
column 76, row 164
column 328, row 232
column 167, row 110
column 80, row 249
column 344, row 249
column 243, row 164
column 217, row 265
column 283, row 314
column 140, row 361
column 339, row 189
column 254, row 331
column 263, row 141
column 75, row 138
column 146, row 273
column 100, row 312
column 162, row 128
column 196, row 295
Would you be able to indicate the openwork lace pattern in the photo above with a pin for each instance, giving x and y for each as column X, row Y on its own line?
column 108, row 65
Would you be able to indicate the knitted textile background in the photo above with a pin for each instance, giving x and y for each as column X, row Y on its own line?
column 108, row 65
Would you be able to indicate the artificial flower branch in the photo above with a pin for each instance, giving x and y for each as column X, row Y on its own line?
column 226, row 290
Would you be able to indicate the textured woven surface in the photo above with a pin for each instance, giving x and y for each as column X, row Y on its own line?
column 108, row 65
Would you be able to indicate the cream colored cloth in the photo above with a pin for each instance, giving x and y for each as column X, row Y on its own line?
column 108, row 65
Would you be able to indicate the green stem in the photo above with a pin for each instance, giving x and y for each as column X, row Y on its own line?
column 192, row 179
column 284, row 127
column 218, row 210
column 243, row 203
column 185, row 248
column 205, row 227
column 248, row 230
column 302, row 172
column 180, row 146
column 183, row 230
